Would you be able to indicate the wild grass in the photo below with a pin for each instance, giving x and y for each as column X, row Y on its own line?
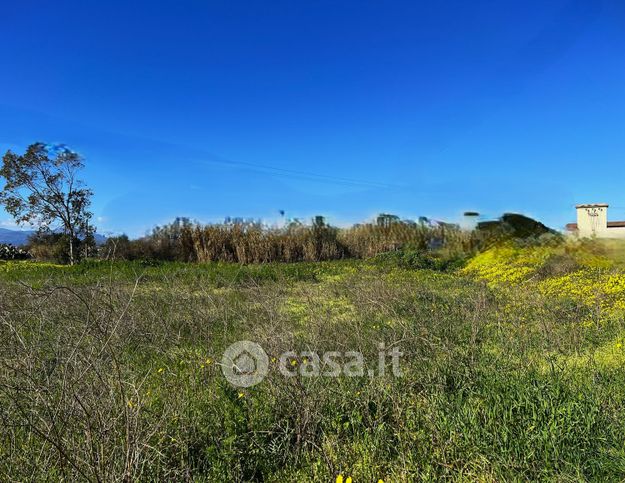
column 110, row 371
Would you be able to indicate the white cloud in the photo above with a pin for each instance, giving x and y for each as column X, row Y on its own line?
column 8, row 224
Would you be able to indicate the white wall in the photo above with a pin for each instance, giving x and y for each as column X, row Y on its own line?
column 614, row 233
column 592, row 221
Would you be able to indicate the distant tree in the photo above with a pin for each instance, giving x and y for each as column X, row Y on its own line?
column 513, row 226
column 117, row 247
column 294, row 224
column 319, row 221
column 386, row 219
column 41, row 188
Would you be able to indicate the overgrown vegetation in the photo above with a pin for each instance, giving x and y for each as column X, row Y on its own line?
column 254, row 243
column 513, row 368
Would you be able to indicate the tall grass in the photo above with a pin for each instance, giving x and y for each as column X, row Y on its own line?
column 254, row 243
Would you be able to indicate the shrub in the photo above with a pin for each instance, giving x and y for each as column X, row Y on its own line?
column 9, row 252
column 54, row 247
column 558, row 265
column 49, row 247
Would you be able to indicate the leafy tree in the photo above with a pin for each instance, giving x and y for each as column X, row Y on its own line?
column 41, row 188
column 386, row 219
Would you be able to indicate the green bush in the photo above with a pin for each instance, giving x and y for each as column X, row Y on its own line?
column 9, row 252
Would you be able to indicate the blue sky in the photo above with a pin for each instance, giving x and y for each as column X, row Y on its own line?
column 210, row 109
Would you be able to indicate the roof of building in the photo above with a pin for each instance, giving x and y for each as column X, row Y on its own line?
column 593, row 205
column 571, row 226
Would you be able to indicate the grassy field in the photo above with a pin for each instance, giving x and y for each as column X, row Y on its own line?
column 513, row 368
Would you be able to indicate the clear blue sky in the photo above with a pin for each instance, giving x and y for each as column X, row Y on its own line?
column 215, row 108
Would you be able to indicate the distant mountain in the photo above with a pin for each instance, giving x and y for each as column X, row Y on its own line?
column 14, row 237
column 20, row 237
column 99, row 239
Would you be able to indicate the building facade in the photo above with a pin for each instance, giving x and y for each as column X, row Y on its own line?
column 592, row 222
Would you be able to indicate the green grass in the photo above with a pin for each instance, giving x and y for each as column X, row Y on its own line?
column 214, row 273
column 110, row 371
column 614, row 249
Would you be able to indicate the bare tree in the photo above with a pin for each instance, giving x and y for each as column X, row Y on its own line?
column 41, row 188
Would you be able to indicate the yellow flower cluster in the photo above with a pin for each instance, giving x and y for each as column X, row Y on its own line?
column 596, row 284
column 340, row 479
column 506, row 264
column 8, row 266
column 598, row 289
column 607, row 356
